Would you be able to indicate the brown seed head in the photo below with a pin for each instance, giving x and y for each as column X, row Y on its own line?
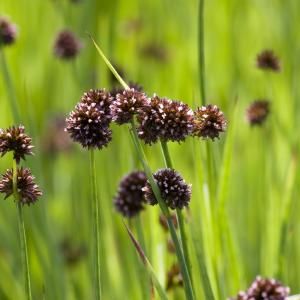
column 174, row 190
column 209, row 122
column 28, row 191
column 130, row 198
column 67, row 45
column 166, row 120
column 127, row 104
column 174, row 277
column 8, row 32
column 88, row 123
column 267, row 60
column 258, row 112
column 14, row 139
column 264, row 289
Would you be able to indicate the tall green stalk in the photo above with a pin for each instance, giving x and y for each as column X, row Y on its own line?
column 22, row 233
column 180, row 217
column 201, row 51
column 96, row 222
column 9, row 86
column 181, row 259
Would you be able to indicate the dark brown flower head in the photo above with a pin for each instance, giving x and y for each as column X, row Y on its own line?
column 88, row 123
column 102, row 99
column 14, row 139
column 28, row 191
column 55, row 139
column 174, row 277
column 67, row 45
column 8, row 32
column 257, row 112
column 130, row 198
column 166, row 120
column 127, row 104
column 267, row 60
column 171, row 246
column 72, row 252
column 164, row 223
column 264, row 289
column 174, row 190
column 119, row 90
column 155, row 52
column 209, row 122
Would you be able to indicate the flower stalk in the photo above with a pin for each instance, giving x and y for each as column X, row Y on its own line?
column 22, row 233
column 96, row 225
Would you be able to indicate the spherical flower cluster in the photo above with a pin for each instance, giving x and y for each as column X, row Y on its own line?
column 67, row 45
column 268, row 61
column 119, row 90
column 209, row 122
column 88, row 123
column 264, row 289
column 28, row 191
column 174, row 190
column 258, row 112
column 8, row 32
column 127, row 104
column 166, row 120
column 14, row 139
column 130, row 199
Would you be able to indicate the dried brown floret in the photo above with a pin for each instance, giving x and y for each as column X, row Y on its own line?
column 28, row 191
column 209, row 122
column 267, row 60
column 258, row 112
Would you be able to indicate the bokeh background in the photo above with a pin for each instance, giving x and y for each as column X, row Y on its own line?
column 155, row 43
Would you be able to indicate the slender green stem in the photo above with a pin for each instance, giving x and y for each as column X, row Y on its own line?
column 22, row 233
column 96, row 222
column 183, row 266
column 180, row 217
column 201, row 51
column 10, row 89
column 181, row 259
column 146, row 280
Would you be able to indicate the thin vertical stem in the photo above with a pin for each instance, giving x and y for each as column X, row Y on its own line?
column 181, row 258
column 180, row 217
column 96, row 225
column 10, row 89
column 22, row 233
column 201, row 51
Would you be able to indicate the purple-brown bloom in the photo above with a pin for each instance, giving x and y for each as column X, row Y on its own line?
column 8, row 32
column 127, row 104
column 120, row 90
column 130, row 198
column 264, row 289
column 28, row 191
column 88, row 123
column 258, row 112
column 165, row 120
column 67, row 45
column 267, row 60
column 174, row 277
column 174, row 190
column 209, row 122
column 16, row 140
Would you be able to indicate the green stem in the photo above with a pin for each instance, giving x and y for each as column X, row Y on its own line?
column 181, row 259
column 146, row 280
column 10, row 89
column 180, row 217
column 201, row 51
column 22, row 233
column 96, row 224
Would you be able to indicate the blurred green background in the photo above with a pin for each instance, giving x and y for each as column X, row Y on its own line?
column 155, row 43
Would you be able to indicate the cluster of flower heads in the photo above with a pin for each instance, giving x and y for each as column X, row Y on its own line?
column 264, row 289
column 135, row 191
column 158, row 119
column 15, row 140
